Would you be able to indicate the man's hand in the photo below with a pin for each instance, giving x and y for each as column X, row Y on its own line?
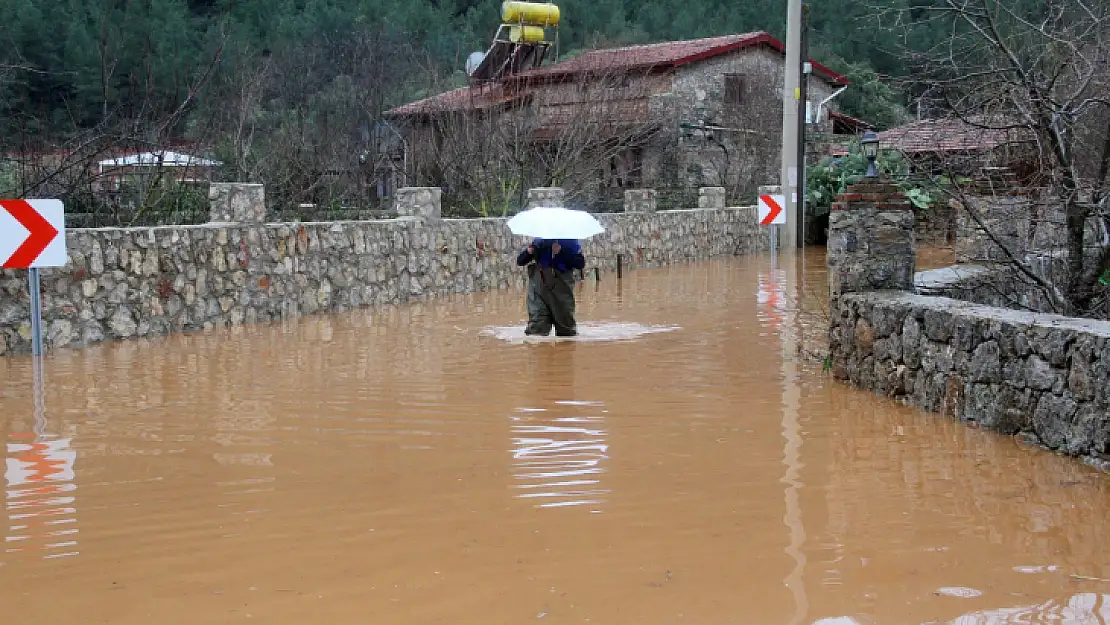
column 555, row 249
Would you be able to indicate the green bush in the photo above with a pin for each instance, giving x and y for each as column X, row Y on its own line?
column 836, row 173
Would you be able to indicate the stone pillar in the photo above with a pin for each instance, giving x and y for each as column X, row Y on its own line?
column 711, row 197
column 871, row 240
column 423, row 203
column 994, row 204
column 639, row 201
column 236, row 202
column 546, row 196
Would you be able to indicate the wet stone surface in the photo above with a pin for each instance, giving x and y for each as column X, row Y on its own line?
column 1015, row 372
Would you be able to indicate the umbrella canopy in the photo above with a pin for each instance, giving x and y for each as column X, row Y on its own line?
column 555, row 223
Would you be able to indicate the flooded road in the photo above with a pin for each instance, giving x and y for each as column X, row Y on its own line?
column 425, row 464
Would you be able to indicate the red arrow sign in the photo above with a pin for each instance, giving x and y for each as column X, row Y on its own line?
column 42, row 233
column 774, row 212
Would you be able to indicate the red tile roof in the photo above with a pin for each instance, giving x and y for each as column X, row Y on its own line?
column 951, row 135
column 475, row 98
column 852, row 122
column 666, row 54
column 650, row 56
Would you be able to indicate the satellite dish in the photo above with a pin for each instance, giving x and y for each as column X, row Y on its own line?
column 473, row 61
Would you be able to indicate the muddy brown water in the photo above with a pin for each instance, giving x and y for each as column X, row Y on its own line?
column 424, row 464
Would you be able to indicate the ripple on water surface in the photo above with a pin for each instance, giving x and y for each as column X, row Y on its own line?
column 559, row 454
column 587, row 332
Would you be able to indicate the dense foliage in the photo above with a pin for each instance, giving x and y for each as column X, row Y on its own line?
column 71, row 64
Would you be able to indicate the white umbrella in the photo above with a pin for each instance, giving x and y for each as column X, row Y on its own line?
column 555, row 223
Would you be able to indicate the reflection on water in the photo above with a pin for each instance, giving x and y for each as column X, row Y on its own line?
column 588, row 332
column 1081, row 609
column 41, row 498
column 559, row 455
column 772, row 299
column 414, row 464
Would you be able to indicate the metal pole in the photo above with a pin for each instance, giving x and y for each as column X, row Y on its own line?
column 34, row 285
column 790, row 96
column 803, row 105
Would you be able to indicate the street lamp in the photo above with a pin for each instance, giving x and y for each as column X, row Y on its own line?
column 870, row 144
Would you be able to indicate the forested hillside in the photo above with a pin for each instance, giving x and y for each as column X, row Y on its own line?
column 68, row 64
column 290, row 93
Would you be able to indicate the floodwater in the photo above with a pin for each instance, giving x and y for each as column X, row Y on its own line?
column 684, row 463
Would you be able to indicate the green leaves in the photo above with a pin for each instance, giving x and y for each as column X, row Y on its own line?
column 920, row 198
column 834, row 175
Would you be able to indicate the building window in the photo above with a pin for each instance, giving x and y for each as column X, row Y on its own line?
column 735, row 88
column 384, row 186
column 622, row 81
column 625, row 169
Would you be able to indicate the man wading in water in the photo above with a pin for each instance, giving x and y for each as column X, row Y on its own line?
column 551, row 266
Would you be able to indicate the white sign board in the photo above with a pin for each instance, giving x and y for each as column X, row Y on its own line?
column 32, row 234
column 772, row 210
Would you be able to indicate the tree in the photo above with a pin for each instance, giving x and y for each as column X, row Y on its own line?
column 577, row 134
column 1035, row 72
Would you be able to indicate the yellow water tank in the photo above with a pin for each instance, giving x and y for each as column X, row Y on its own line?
column 525, row 34
column 530, row 13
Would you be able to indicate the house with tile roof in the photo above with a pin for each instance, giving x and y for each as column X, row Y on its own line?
column 952, row 145
column 672, row 116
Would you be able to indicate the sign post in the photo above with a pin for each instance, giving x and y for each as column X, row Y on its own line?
column 34, row 284
column 32, row 236
column 772, row 212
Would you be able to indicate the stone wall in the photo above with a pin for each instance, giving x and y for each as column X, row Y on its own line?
column 123, row 283
column 1001, row 286
column 1043, row 377
column 744, row 151
column 871, row 240
column 998, row 225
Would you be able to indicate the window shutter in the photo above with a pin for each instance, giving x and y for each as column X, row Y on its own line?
column 734, row 89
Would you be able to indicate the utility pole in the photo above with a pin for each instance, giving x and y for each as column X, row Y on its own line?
column 803, row 113
column 790, row 97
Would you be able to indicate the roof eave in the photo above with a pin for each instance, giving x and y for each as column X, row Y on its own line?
column 432, row 112
column 762, row 39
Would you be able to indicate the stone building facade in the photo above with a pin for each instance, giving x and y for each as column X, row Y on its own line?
column 673, row 116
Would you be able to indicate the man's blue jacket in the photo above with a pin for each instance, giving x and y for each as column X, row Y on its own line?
column 569, row 257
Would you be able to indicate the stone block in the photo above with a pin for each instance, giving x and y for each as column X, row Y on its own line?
column 423, row 203
column 711, row 197
column 546, row 196
column 236, row 202
column 639, row 201
column 987, row 226
column 986, row 364
column 1010, row 410
column 1052, row 419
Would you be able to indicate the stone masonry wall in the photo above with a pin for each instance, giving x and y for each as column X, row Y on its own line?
column 1040, row 376
column 740, row 158
column 123, row 283
column 1044, row 377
